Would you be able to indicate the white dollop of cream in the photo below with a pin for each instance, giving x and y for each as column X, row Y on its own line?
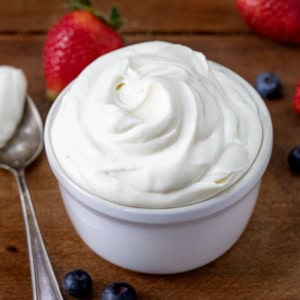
column 156, row 125
column 13, row 88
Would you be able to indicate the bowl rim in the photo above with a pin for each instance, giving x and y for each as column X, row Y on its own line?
column 190, row 212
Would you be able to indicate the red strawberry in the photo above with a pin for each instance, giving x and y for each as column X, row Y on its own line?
column 297, row 98
column 73, row 42
column 278, row 20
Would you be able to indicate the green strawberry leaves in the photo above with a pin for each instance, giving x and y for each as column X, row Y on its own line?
column 114, row 19
column 81, row 5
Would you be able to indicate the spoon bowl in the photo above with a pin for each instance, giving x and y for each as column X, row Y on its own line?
column 22, row 149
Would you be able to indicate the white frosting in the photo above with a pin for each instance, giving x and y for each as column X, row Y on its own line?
column 13, row 87
column 156, row 125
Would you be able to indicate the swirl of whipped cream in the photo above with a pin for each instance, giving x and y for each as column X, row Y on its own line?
column 156, row 125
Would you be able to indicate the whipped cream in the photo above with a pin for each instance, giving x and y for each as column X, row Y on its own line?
column 156, row 125
column 13, row 88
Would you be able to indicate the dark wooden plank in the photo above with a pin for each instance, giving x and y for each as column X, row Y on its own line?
column 264, row 264
column 152, row 15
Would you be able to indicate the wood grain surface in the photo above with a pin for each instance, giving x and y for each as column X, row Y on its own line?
column 265, row 262
column 144, row 16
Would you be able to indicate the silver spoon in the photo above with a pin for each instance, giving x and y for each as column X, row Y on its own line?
column 21, row 150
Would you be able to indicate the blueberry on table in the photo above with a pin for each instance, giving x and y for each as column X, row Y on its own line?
column 119, row 291
column 77, row 283
column 294, row 160
column 268, row 85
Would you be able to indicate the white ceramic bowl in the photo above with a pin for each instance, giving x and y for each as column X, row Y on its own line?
column 163, row 241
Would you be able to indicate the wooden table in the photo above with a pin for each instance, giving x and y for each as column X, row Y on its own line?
column 265, row 262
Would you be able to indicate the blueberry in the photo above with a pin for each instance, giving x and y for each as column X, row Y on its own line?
column 119, row 291
column 294, row 159
column 268, row 85
column 77, row 283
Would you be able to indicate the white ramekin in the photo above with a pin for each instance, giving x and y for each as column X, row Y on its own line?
column 164, row 241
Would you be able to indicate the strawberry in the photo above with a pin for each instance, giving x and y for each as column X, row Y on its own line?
column 78, row 38
column 278, row 20
column 296, row 101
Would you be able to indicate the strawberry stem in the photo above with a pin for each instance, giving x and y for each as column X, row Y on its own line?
column 114, row 20
column 82, row 5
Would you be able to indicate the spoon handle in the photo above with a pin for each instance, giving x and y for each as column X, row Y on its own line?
column 44, row 283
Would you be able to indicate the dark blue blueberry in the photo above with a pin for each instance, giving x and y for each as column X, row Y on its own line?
column 294, row 160
column 77, row 283
column 119, row 291
column 268, row 85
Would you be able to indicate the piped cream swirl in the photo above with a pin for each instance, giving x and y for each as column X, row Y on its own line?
column 156, row 125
